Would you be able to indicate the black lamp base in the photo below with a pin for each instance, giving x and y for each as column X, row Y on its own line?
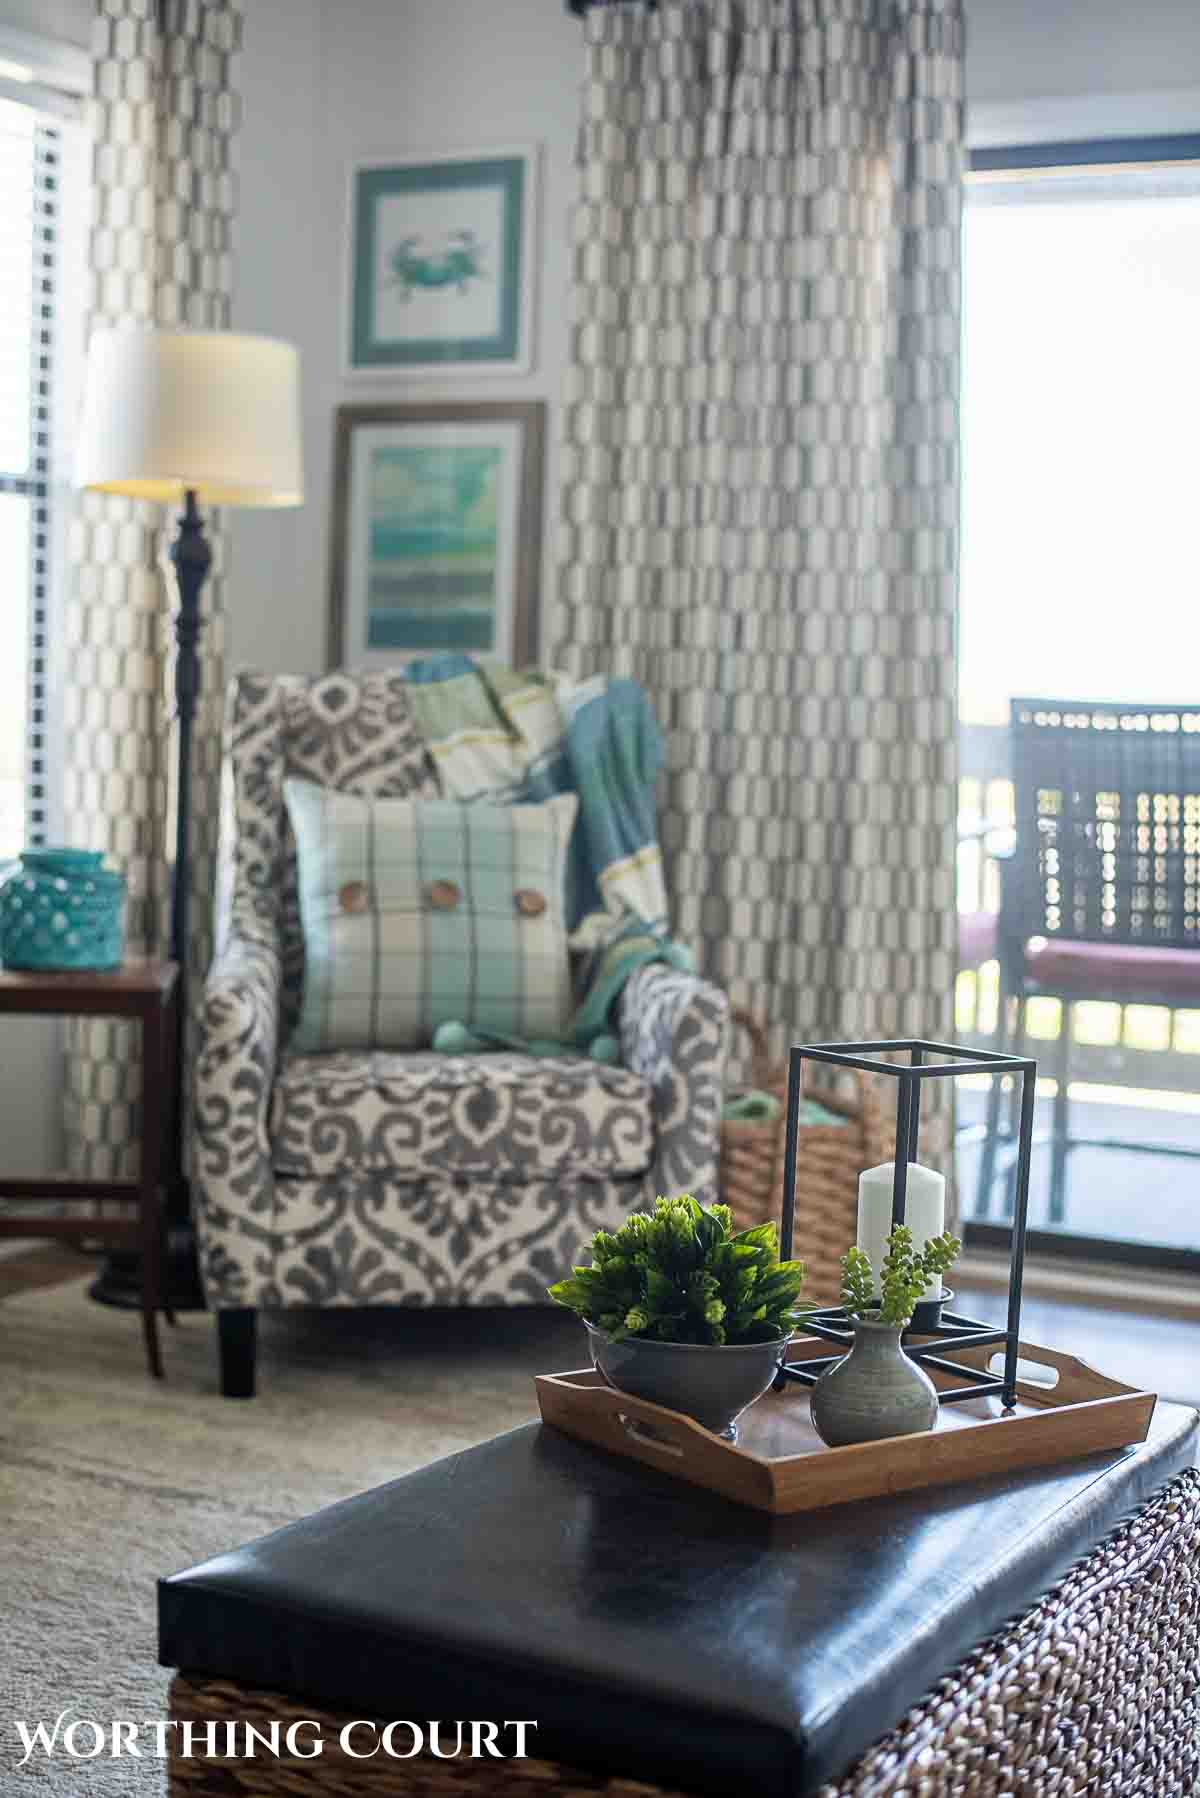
column 119, row 1281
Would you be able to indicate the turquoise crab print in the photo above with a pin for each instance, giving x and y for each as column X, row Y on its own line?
column 457, row 264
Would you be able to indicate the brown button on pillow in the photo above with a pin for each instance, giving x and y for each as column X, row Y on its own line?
column 443, row 895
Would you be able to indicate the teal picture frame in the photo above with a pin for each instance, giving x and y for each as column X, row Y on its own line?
column 441, row 263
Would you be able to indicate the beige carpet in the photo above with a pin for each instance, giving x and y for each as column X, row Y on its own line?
column 109, row 1479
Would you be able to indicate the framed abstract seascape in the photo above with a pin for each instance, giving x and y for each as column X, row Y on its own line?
column 437, row 531
column 442, row 260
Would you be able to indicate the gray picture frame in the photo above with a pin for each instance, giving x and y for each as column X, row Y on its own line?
column 520, row 643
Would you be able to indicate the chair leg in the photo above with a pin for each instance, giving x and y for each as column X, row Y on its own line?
column 237, row 1336
column 1017, row 1047
column 987, row 1158
column 1060, row 1140
column 164, row 1246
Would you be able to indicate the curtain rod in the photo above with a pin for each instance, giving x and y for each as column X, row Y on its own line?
column 579, row 7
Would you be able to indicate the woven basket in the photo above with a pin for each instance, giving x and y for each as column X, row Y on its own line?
column 829, row 1159
column 1093, row 1691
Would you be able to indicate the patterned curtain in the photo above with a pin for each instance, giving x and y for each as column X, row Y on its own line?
column 162, row 117
column 761, row 482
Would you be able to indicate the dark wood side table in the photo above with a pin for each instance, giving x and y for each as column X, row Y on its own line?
column 146, row 992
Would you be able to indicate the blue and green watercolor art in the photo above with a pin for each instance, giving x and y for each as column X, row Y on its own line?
column 432, row 575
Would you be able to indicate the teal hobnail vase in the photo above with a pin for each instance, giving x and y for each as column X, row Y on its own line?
column 62, row 909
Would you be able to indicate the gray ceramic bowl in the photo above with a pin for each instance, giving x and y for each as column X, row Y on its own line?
column 713, row 1385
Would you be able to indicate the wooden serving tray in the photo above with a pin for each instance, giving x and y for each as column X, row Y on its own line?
column 1065, row 1410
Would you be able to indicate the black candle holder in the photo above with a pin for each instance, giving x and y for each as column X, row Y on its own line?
column 945, row 1327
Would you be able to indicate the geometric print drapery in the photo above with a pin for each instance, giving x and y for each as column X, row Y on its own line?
column 162, row 115
column 760, row 500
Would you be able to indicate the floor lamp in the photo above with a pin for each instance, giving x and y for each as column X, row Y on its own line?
column 190, row 418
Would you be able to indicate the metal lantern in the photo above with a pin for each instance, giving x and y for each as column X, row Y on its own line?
column 924, row 1061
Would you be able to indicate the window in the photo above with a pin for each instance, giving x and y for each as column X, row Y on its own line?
column 1081, row 389
column 41, row 310
column 1079, row 582
column 29, row 155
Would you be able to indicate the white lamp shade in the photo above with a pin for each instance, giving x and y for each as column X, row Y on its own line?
column 211, row 410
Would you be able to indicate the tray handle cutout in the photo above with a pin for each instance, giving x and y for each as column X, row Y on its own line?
column 648, row 1437
column 1033, row 1373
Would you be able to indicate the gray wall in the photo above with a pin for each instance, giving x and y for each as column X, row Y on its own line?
column 324, row 84
column 1018, row 49
column 70, row 20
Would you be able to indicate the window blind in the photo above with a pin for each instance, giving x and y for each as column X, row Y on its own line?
column 31, row 154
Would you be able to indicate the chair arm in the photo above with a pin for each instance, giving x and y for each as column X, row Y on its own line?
column 673, row 1030
column 235, row 1071
column 997, row 845
column 1000, row 848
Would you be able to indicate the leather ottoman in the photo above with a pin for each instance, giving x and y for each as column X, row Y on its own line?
column 1045, row 1626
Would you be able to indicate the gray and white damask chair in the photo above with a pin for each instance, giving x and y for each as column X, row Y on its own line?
column 380, row 1178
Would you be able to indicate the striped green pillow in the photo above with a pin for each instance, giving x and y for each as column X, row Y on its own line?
column 420, row 911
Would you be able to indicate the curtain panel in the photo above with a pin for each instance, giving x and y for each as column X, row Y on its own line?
column 760, row 497
column 162, row 116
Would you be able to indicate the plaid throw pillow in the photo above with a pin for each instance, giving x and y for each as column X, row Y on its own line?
column 416, row 912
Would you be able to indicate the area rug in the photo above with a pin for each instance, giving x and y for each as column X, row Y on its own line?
column 109, row 1479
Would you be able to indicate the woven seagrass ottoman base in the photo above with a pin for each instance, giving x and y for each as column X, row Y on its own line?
column 1094, row 1691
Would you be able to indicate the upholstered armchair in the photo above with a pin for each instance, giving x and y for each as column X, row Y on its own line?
column 381, row 1178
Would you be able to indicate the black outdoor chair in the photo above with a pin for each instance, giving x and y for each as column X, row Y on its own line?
column 1100, row 890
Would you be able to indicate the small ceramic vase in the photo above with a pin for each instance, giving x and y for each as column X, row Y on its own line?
column 874, row 1391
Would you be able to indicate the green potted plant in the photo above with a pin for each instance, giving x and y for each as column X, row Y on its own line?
column 877, row 1390
column 681, row 1311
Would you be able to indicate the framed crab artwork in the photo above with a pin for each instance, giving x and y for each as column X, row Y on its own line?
column 442, row 259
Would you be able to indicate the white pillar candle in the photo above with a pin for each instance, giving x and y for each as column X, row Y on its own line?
column 924, row 1213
